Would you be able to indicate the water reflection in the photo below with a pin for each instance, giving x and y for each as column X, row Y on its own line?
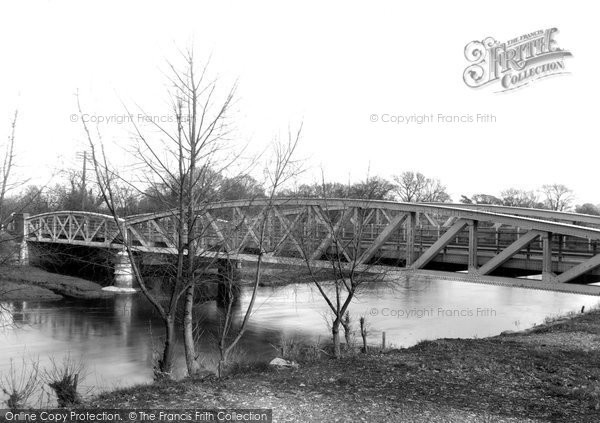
column 118, row 338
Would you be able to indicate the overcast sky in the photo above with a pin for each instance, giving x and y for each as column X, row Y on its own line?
column 330, row 64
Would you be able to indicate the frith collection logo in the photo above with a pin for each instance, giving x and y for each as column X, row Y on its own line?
column 516, row 62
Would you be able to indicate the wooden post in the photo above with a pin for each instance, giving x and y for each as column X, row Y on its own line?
column 363, row 334
column 383, row 341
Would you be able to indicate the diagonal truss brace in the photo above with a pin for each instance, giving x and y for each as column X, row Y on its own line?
column 288, row 228
column 437, row 246
column 250, row 225
column 382, row 237
column 509, row 251
column 332, row 233
column 579, row 270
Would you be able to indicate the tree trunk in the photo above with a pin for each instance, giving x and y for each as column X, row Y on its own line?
column 188, row 333
column 221, row 368
column 363, row 334
column 222, row 361
column 164, row 368
column 347, row 335
column 335, row 331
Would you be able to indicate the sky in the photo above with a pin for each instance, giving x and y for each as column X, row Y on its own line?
column 344, row 69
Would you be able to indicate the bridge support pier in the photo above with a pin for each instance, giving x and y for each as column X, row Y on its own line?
column 23, row 254
column 123, row 271
column 20, row 229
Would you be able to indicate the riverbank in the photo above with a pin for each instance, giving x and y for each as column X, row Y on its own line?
column 547, row 373
column 274, row 275
column 27, row 283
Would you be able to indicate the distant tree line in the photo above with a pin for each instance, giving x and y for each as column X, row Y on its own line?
column 73, row 194
column 555, row 197
column 406, row 187
column 70, row 195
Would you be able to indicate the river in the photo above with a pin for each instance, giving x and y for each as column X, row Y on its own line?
column 118, row 338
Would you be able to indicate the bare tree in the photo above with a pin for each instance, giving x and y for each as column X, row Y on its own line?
column 279, row 170
column 347, row 268
column 8, row 246
column 557, row 197
column 520, row 198
column 372, row 188
column 7, row 165
column 181, row 166
column 183, row 159
column 414, row 187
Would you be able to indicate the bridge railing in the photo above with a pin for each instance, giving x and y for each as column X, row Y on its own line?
column 587, row 220
column 72, row 227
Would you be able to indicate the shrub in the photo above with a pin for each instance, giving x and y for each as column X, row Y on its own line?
column 20, row 385
column 64, row 377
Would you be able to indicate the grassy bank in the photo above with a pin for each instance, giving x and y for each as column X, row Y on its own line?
column 15, row 291
column 26, row 283
column 548, row 373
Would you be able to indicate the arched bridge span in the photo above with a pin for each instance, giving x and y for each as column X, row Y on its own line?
column 476, row 241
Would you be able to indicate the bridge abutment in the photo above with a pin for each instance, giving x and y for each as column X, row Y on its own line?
column 24, row 253
column 20, row 229
column 123, row 271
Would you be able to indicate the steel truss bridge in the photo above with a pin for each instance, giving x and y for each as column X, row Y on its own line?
column 478, row 243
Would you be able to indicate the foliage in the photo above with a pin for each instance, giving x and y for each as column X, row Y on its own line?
column 554, row 197
column 588, row 208
column 371, row 188
column 481, row 199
